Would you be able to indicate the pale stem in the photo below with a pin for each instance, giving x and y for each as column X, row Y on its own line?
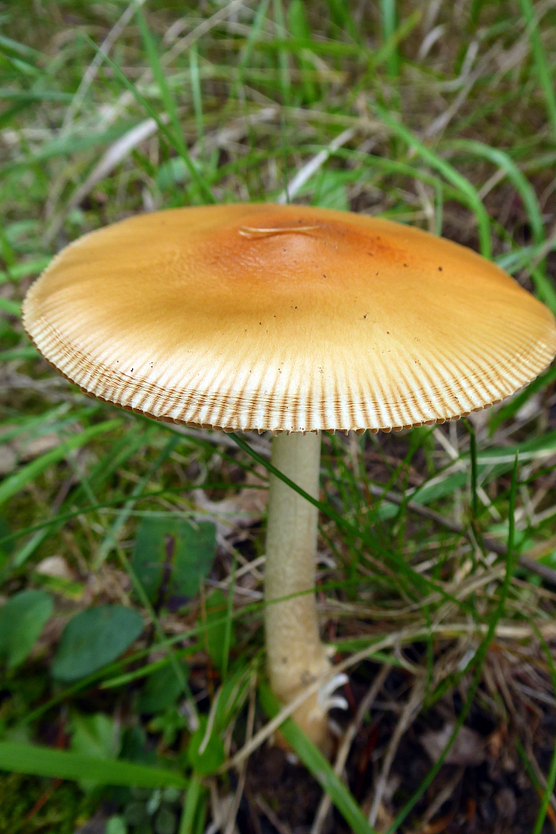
column 295, row 654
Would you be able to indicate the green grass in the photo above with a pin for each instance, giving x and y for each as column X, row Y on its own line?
column 447, row 121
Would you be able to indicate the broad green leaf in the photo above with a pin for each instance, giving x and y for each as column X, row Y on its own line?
column 172, row 556
column 22, row 619
column 94, row 638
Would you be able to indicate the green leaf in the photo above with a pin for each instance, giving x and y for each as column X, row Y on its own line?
column 6, row 547
column 116, row 825
column 95, row 735
column 170, row 724
column 205, row 755
column 172, row 556
column 94, row 638
column 161, row 690
column 12, row 308
column 22, row 619
column 218, row 630
column 165, row 821
column 232, row 693
column 61, row 764
column 331, row 192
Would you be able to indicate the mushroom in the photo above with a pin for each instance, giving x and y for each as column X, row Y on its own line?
column 293, row 320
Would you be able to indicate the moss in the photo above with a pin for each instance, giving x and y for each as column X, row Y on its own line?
column 31, row 805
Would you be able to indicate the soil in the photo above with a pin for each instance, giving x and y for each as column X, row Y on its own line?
column 483, row 789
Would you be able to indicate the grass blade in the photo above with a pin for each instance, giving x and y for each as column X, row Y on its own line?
column 479, row 660
column 551, row 778
column 63, row 764
column 539, row 55
column 544, row 286
column 160, row 78
column 163, row 128
column 16, row 482
column 388, row 26
column 320, row 767
column 467, row 190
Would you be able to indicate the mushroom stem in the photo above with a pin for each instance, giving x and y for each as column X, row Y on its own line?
column 295, row 654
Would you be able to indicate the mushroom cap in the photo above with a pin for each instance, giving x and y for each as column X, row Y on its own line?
column 285, row 318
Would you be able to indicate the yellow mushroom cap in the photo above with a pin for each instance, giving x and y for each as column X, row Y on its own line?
column 285, row 318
